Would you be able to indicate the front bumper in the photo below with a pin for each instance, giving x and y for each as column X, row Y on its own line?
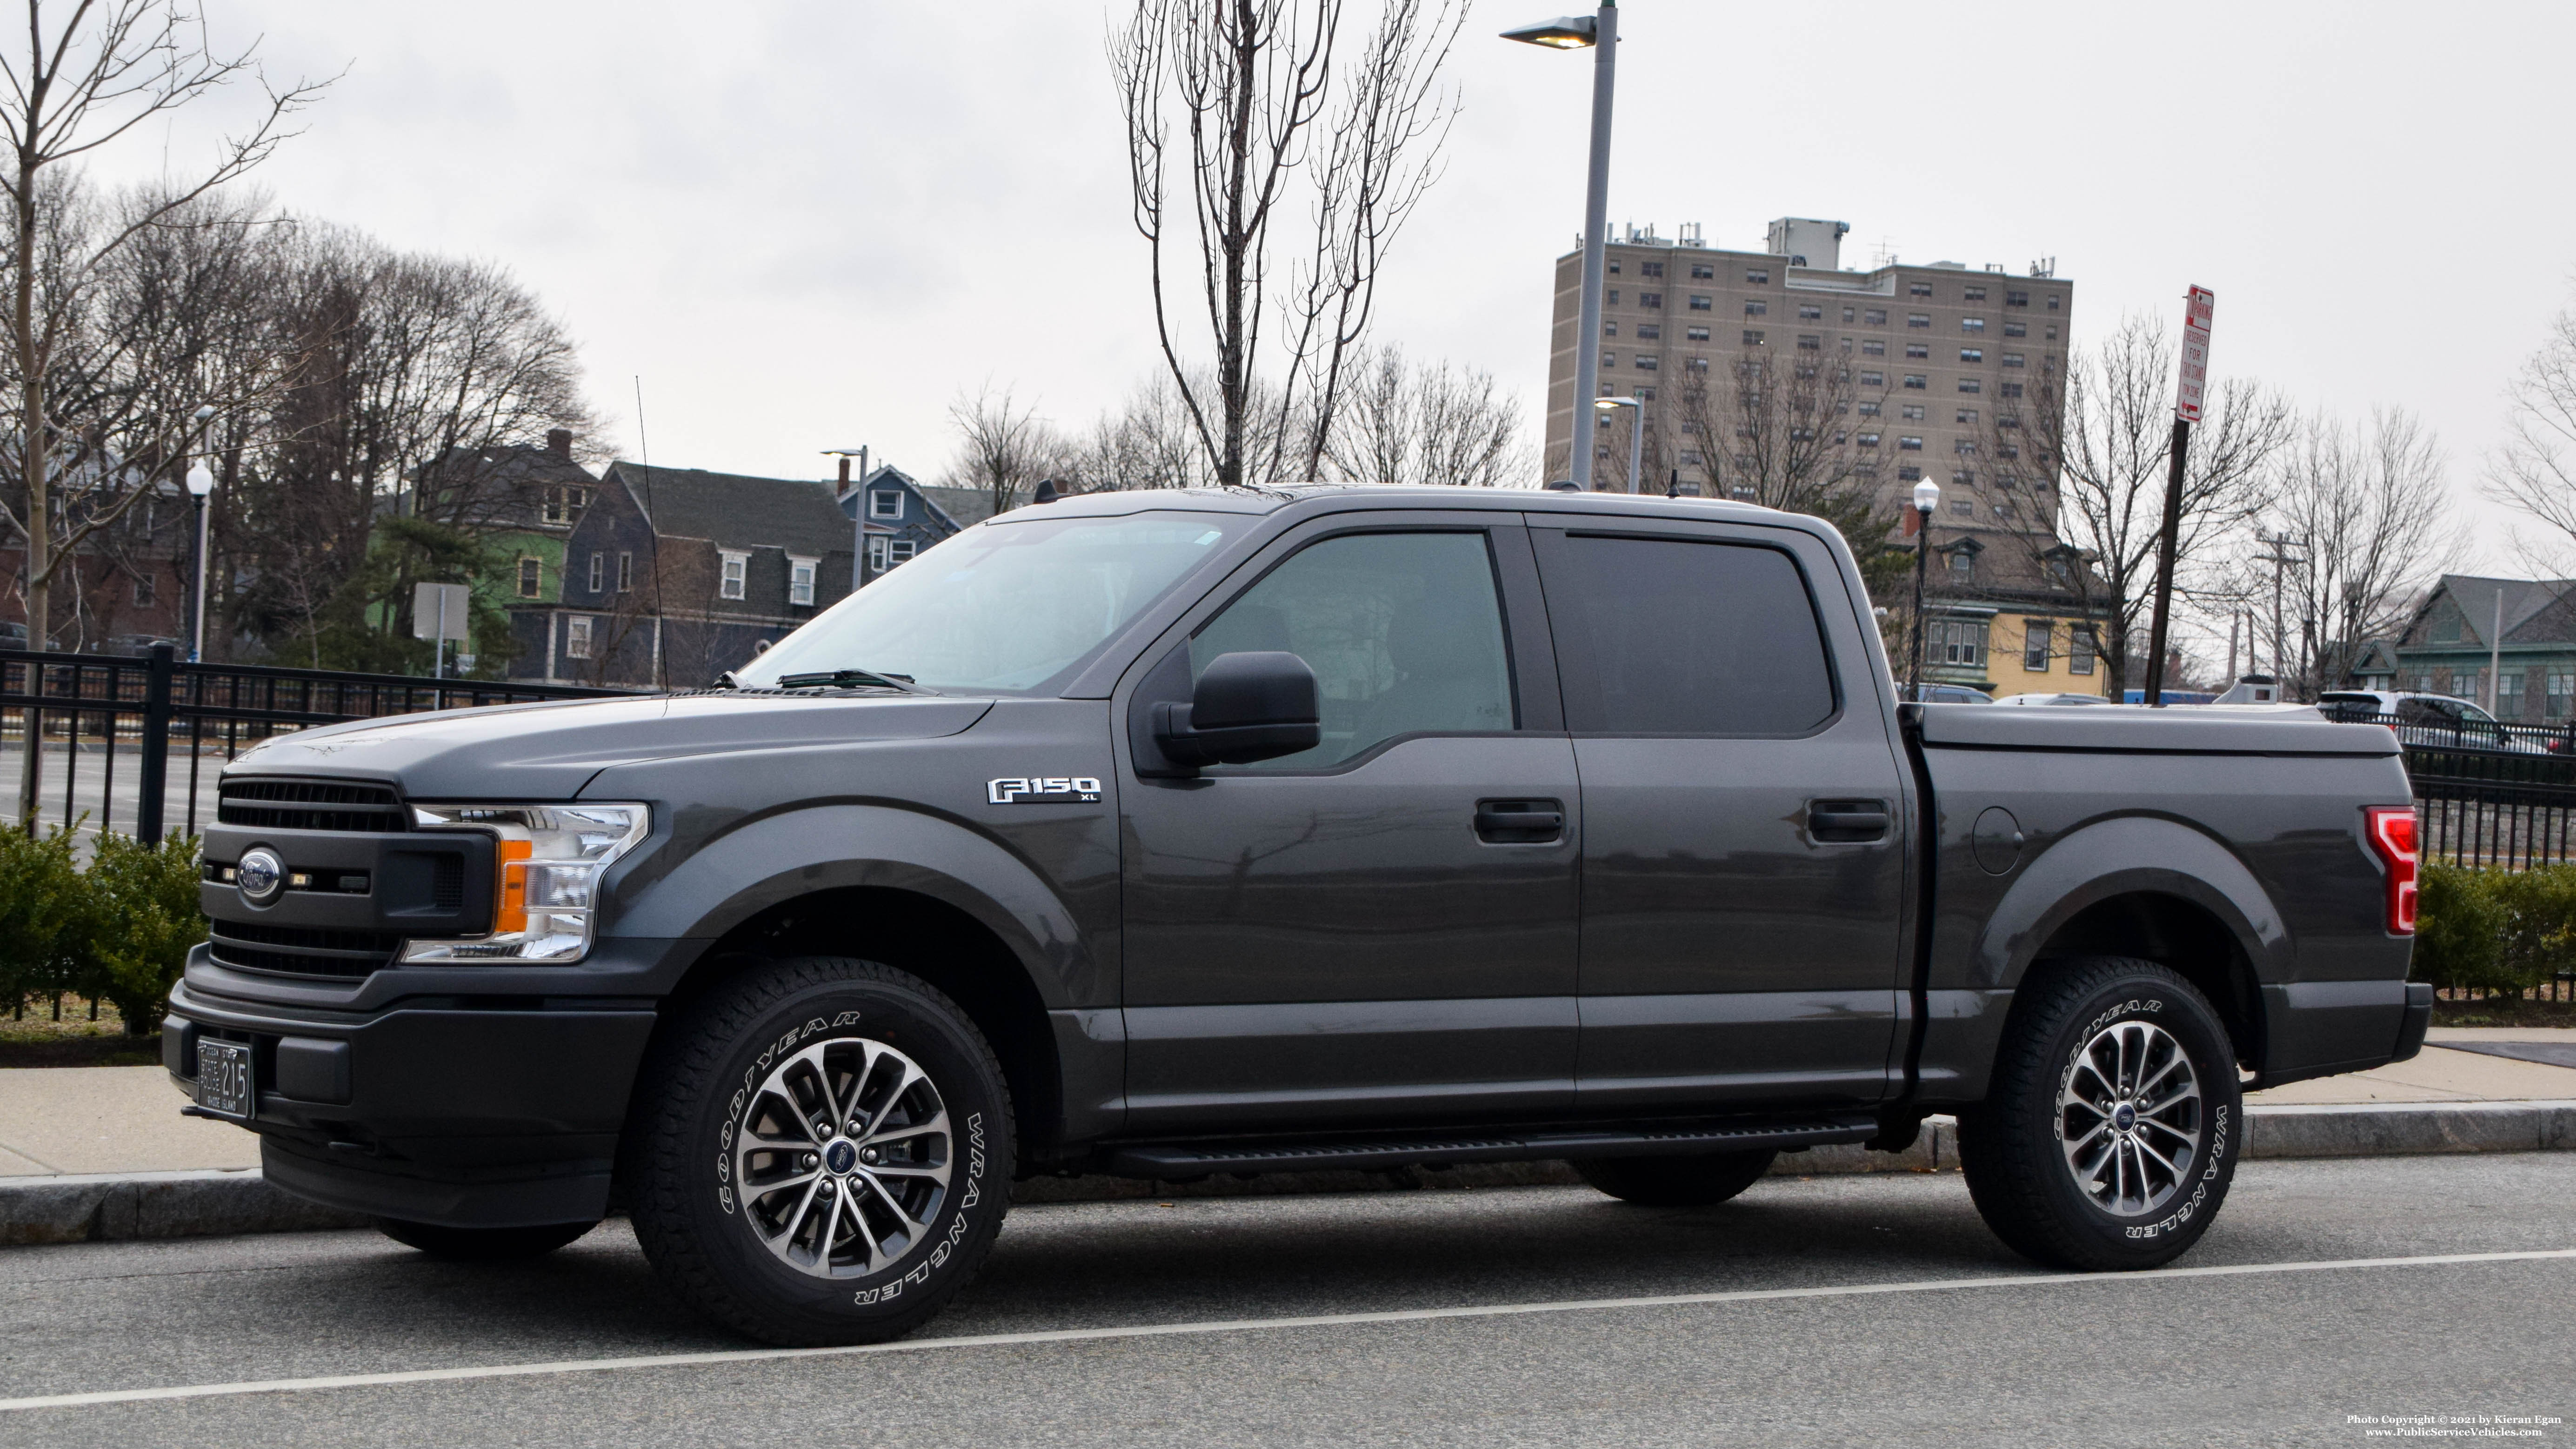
column 410, row 1095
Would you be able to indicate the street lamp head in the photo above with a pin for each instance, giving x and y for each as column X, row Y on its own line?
column 1605, row 404
column 1927, row 496
column 201, row 481
column 204, row 412
column 1565, row 32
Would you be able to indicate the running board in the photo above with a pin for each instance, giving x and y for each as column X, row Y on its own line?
column 1174, row 1161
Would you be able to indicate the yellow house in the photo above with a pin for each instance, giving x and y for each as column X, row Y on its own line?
column 1998, row 621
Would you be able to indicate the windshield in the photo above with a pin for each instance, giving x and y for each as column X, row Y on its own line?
column 1004, row 606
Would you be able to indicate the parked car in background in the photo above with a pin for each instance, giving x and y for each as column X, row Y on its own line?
column 1950, row 694
column 2052, row 699
column 2437, row 720
column 13, row 636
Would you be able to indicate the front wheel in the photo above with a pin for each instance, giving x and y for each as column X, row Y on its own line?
column 821, row 1153
column 2112, row 1129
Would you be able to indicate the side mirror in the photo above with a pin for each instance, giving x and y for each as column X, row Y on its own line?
column 1247, row 707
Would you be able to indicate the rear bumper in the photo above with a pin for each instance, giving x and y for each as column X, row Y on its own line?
column 2419, row 1020
column 2322, row 1028
column 465, row 1110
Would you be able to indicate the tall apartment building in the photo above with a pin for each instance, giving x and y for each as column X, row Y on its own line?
column 1945, row 364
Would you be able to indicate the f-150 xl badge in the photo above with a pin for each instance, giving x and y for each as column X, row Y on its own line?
column 1043, row 790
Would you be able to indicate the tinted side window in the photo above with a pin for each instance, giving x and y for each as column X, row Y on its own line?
column 1403, row 630
column 1672, row 636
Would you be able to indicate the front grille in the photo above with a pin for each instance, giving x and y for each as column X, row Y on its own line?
column 309, row 805
column 302, row 950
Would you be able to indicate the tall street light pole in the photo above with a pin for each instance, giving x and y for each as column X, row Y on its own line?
column 1636, row 431
column 1927, row 497
column 1600, row 32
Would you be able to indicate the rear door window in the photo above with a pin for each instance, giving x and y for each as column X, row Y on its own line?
column 1684, row 636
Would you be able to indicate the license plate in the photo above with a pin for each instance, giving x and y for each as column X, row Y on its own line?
column 224, row 1085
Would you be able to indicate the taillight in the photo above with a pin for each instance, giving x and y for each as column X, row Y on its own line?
column 2392, row 837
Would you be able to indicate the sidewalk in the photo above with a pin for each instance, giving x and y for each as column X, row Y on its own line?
column 94, row 1152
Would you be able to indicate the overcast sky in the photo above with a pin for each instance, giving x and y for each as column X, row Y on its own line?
column 811, row 225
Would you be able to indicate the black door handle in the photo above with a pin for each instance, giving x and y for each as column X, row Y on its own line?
column 1844, row 822
column 1519, row 822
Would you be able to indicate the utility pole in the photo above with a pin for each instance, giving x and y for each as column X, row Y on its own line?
column 2495, row 649
column 2198, row 304
column 2280, row 558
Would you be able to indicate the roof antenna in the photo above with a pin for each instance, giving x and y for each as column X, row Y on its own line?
column 1674, row 488
column 1045, row 492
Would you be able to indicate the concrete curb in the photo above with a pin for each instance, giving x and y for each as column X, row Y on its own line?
column 110, row 1207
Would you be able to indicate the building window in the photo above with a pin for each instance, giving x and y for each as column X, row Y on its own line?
column 1913, row 412
column 532, row 578
column 1967, row 417
column 2508, row 700
column 1699, row 303
column 577, row 636
column 1646, row 362
column 1695, row 364
column 1918, row 319
column 1964, row 447
column 1962, row 562
column 2034, row 645
column 1869, row 440
column 1649, row 332
column 1975, row 294
column 2013, row 328
column 1965, row 508
column 800, row 581
column 2010, row 359
column 901, row 550
column 2052, row 301
column 2009, row 389
column 1869, row 409
column 1909, row 445
column 1614, row 296
column 885, row 503
column 1962, row 478
column 1650, row 269
column 1848, row 315
column 1756, row 309
column 563, row 505
column 1875, row 316
column 1920, row 351
column 1920, row 289
column 877, row 549
column 1810, row 342
column 2079, row 649
column 1971, row 385
column 1703, row 272
column 1690, row 457
column 1873, row 347
column 625, row 572
column 1847, row 344
column 737, row 567
column 1917, row 381
column 1650, row 299
column 1614, row 266
column 1955, row 643
column 2016, row 299
column 1609, row 329
column 1695, row 334
column 1810, row 312
column 1972, row 324
column 2464, row 683
column 1873, row 379
column 1757, row 277
column 1645, row 394
column 2561, row 691
column 1752, row 338
column 147, row 589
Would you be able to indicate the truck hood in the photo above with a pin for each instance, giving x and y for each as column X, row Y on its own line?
column 549, row 751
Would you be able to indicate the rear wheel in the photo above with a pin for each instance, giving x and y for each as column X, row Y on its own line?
column 1676, row 1181
column 821, row 1153
column 482, row 1245
column 2111, row 1132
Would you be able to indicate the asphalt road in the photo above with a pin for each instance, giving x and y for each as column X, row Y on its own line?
column 2258, row 1352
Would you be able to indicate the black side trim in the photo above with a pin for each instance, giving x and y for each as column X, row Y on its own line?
column 1173, row 1160
column 2418, row 1020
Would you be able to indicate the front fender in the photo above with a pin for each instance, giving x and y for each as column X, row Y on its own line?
column 772, row 859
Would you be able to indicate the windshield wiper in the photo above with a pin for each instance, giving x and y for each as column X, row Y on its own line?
column 851, row 679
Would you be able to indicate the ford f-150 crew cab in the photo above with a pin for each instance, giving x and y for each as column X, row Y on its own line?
column 1176, row 833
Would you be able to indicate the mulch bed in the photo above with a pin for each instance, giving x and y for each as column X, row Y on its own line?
column 103, row 1050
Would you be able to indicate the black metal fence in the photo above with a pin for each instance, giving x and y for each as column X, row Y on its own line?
column 134, row 744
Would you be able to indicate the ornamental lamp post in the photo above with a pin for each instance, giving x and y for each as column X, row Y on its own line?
column 201, row 484
column 1927, row 497
column 1598, row 32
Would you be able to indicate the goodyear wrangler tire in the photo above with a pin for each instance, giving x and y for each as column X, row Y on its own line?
column 821, row 1153
column 2114, row 1122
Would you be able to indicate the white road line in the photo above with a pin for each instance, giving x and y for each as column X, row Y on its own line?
column 1247, row 1325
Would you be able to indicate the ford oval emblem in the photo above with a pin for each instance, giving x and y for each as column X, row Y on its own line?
column 260, row 875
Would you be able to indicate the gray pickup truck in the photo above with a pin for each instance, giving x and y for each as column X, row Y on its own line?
column 1169, row 834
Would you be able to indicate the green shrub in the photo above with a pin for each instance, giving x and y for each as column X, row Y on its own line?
column 142, row 922
column 45, row 909
column 2487, row 930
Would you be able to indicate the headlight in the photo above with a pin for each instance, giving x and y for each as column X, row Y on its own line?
column 551, row 858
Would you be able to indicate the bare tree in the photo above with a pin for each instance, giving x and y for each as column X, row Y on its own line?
column 2372, row 505
column 1251, row 86
column 2535, row 469
column 90, row 74
column 2105, row 433
column 1796, row 432
column 1403, row 422
column 1003, row 448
